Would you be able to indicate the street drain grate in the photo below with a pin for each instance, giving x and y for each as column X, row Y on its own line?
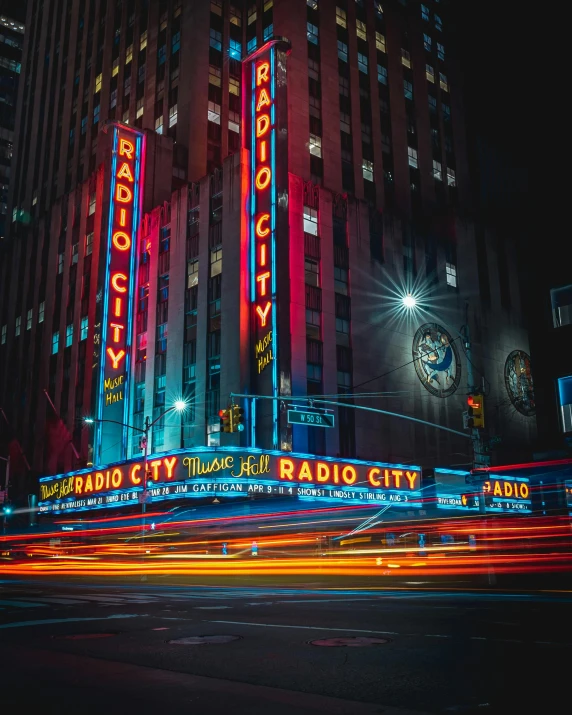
column 351, row 642
column 85, row 636
column 205, row 640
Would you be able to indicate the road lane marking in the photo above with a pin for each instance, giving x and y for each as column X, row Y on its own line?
column 307, row 628
column 23, row 624
column 432, row 635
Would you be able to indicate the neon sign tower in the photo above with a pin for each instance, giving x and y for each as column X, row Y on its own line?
column 116, row 311
column 265, row 139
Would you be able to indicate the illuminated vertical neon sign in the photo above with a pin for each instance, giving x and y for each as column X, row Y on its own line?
column 127, row 171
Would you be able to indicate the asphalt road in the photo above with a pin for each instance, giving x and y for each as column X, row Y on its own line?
column 86, row 647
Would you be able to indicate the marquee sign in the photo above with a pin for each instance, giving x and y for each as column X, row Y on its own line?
column 502, row 494
column 232, row 472
column 128, row 152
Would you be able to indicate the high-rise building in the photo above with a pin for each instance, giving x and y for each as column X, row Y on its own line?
column 268, row 198
column 11, row 44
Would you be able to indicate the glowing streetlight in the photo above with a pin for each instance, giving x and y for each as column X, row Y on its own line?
column 409, row 301
column 180, row 405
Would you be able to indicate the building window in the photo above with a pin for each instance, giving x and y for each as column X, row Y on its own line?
column 235, row 16
column 342, row 326
column 235, row 49
column 314, row 372
column 252, row 14
column 69, row 335
column 29, row 319
column 175, row 42
column 83, row 328
column 192, row 273
column 443, row 82
column 341, row 17
column 561, row 299
column 315, row 145
column 75, row 253
column 382, row 74
column 312, row 33
column 129, row 54
column 429, row 73
column 215, row 75
column 268, row 32
column 18, row 325
column 4, row 334
column 437, row 170
column 172, row 116
column 55, row 342
column 234, row 86
column 425, row 13
column 114, row 68
column 251, row 45
column 140, row 107
column 216, row 7
column 440, row 51
column 451, row 272
column 427, row 42
column 407, row 89
column 91, row 209
column 312, row 268
column 342, row 51
column 215, row 40
column 341, row 280
column 83, row 125
column 451, row 180
column 159, row 125
column 438, row 23
column 361, row 30
column 214, row 112
column 412, row 157
column 362, row 62
column 268, row 4
column 380, row 42
column 89, row 243
column 405, row 58
column 367, row 169
column 61, row 258
column 432, row 104
column 216, row 262
column 41, row 311
column 313, row 317
column 98, row 81
column 565, row 400
column 310, row 221
column 143, row 40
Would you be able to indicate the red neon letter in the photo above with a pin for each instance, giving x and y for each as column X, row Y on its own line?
column 115, row 278
column 126, row 148
column 170, row 463
column 122, row 217
column 411, row 478
column 121, row 241
column 262, row 254
column 262, row 125
column 123, row 194
column 117, row 308
column 133, row 474
column 261, row 231
column 262, row 152
column 352, row 475
column 125, row 171
column 155, row 466
column 371, row 477
column 263, row 99
column 322, row 472
column 263, row 177
column 286, row 469
column 263, row 313
column 116, row 334
column 262, row 73
column 116, row 358
column 262, row 278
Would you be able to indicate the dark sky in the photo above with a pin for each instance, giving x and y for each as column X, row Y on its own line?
column 14, row 9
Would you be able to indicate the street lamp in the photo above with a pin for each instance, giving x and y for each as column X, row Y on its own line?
column 409, row 301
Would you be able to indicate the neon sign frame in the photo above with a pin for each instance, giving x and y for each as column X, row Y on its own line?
column 125, row 204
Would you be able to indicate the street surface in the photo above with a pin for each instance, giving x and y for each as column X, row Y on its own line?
column 94, row 646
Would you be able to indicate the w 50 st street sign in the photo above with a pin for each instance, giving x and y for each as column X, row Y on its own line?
column 311, row 418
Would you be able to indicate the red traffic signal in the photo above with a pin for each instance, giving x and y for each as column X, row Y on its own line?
column 225, row 420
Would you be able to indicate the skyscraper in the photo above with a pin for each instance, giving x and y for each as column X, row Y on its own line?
column 293, row 170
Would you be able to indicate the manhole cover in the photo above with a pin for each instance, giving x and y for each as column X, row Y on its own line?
column 352, row 642
column 205, row 640
column 85, row 636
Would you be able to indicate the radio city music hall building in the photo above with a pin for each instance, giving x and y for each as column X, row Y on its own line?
column 217, row 197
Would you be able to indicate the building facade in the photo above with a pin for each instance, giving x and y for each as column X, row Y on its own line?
column 11, row 45
column 273, row 254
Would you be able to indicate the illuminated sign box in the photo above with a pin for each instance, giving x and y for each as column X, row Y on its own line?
column 502, row 493
column 127, row 168
column 233, row 472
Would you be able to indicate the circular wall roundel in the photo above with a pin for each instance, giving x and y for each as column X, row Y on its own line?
column 519, row 384
column 437, row 362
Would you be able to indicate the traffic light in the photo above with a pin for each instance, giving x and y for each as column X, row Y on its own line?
column 237, row 420
column 7, row 510
column 476, row 411
column 225, row 420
